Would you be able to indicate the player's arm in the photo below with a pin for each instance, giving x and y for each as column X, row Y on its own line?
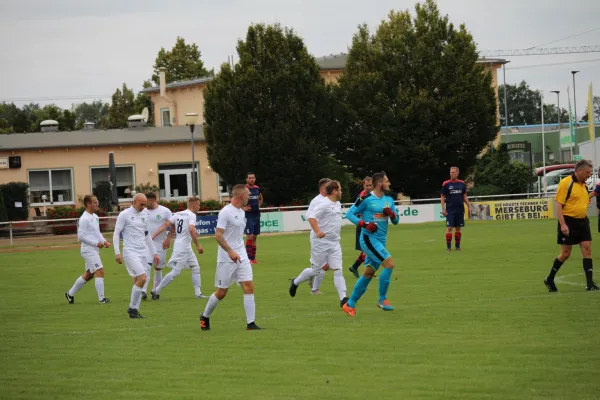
column 560, row 200
column 101, row 237
column 260, row 200
column 443, row 200
column 392, row 213
column 119, row 225
column 595, row 192
column 314, row 224
column 224, row 245
column 357, row 209
column 162, row 228
column 194, row 236
column 466, row 200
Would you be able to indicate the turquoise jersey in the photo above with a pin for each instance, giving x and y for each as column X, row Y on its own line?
column 371, row 209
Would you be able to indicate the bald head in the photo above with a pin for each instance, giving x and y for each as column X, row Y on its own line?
column 140, row 201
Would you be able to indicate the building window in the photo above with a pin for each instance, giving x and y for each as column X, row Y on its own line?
column 165, row 117
column 55, row 184
column 125, row 180
column 222, row 186
column 176, row 181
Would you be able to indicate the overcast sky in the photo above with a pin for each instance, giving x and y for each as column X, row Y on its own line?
column 53, row 49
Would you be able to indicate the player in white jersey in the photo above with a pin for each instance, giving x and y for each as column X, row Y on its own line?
column 133, row 222
column 158, row 216
column 88, row 233
column 184, row 227
column 315, row 281
column 326, row 252
column 233, row 264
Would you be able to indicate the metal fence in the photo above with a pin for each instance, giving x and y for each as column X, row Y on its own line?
column 40, row 234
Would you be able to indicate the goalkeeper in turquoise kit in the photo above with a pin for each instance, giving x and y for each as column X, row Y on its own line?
column 376, row 210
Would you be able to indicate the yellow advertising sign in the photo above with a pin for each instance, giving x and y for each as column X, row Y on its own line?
column 513, row 209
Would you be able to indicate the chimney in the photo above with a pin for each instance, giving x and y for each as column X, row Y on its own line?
column 162, row 73
column 49, row 125
column 89, row 126
column 136, row 121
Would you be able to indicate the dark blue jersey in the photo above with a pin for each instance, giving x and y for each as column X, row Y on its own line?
column 253, row 202
column 454, row 192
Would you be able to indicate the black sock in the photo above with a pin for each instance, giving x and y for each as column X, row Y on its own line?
column 555, row 268
column 589, row 271
column 358, row 261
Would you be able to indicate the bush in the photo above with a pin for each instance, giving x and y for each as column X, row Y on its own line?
column 67, row 227
column 3, row 216
column 147, row 187
column 102, row 193
column 176, row 206
column 13, row 192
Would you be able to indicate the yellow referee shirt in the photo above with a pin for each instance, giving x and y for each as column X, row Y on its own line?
column 576, row 204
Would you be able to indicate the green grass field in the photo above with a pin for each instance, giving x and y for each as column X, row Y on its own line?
column 471, row 325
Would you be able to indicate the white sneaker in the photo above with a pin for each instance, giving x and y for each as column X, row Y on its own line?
column 201, row 296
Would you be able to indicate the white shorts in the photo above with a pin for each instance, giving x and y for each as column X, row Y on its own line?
column 92, row 262
column 230, row 272
column 135, row 264
column 183, row 260
column 321, row 255
column 162, row 256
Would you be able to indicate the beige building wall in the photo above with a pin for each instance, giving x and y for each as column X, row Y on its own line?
column 331, row 75
column 144, row 158
column 185, row 100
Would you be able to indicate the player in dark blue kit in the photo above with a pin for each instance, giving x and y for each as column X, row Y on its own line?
column 454, row 197
column 367, row 187
column 252, row 216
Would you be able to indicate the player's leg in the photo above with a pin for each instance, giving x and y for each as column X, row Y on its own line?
column 162, row 255
column 317, row 261
column 249, row 231
column 256, row 233
column 334, row 259
column 585, row 242
column 148, row 267
column 565, row 252
column 99, row 283
column 243, row 275
column 224, row 277
column 157, row 277
column 459, row 223
column 449, row 227
column 361, row 257
column 384, row 282
column 196, row 278
column 135, row 268
column 372, row 262
column 82, row 280
column 175, row 272
column 317, row 280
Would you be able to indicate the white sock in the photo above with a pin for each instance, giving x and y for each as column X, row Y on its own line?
column 340, row 283
column 250, row 307
column 157, row 278
column 305, row 275
column 148, row 268
column 136, row 297
column 213, row 302
column 167, row 279
column 196, row 281
column 78, row 285
column 318, row 280
column 99, row 287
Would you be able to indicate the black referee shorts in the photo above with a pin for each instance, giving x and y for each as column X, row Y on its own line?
column 579, row 231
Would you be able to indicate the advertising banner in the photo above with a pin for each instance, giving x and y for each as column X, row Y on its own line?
column 513, row 209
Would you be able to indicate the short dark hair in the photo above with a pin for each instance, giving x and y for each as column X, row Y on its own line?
column 582, row 164
column 250, row 173
column 367, row 179
column 378, row 177
column 151, row 195
column 323, row 181
column 331, row 186
column 237, row 189
column 88, row 199
column 193, row 199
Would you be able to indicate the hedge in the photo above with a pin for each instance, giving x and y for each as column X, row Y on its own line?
column 65, row 227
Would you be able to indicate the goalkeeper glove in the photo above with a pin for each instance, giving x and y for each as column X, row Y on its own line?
column 388, row 212
column 371, row 226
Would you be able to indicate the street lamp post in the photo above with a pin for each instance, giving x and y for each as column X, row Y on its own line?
column 574, row 96
column 190, row 120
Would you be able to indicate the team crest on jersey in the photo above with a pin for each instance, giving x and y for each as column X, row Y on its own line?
column 143, row 219
column 158, row 217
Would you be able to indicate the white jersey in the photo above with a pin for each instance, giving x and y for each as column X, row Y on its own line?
column 157, row 218
column 134, row 225
column 88, row 232
column 329, row 218
column 233, row 221
column 181, row 223
column 311, row 207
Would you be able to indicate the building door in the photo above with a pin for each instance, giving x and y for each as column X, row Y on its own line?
column 176, row 181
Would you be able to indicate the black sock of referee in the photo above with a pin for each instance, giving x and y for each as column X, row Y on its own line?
column 589, row 271
column 555, row 268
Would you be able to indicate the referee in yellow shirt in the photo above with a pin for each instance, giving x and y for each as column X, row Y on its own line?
column 572, row 200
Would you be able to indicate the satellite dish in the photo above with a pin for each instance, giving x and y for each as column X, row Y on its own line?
column 145, row 113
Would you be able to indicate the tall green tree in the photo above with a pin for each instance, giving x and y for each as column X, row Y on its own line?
column 270, row 114
column 121, row 108
column 595, row 107
column 13, row 119
column 495, row 173
column 65, row 118
column 90, row 112
column 182, row 62
column 413, row 101
column 524, row 106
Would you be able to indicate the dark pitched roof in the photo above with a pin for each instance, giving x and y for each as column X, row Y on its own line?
column 338, row 61
column 127, row 136
column 179, row 84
